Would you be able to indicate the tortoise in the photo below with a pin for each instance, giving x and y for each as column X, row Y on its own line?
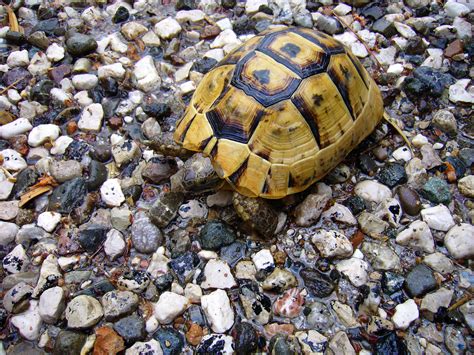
column 281, row 111
column 274, row 116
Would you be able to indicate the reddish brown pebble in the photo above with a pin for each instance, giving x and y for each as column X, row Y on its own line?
column 194, row 334
column 71, row 127
column 115, row 122
column 453, row 48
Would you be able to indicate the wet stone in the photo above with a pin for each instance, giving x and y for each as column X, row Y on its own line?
column 215, row 234
column 390, row 344
column 437, row 191
column 92, row 238
column 245, row 338
column 233, row 253
column 97, row 175
column 392, row 282
column 317, row 283
column 420, row 280
column 131, row 328
column 121, row 15
column 319, row 317
column 409, row 200
column 171, row 341
column 165, row 208
column 256, row 305
column 392, row 175
column 146, row 237
column 79, row 45
column 355, row 203
column 184, row 265
column 69, row 342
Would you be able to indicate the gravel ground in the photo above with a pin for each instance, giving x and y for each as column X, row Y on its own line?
column 104, row 252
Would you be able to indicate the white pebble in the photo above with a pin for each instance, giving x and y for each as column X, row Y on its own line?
column 15, row 128
column 169, row 306
column 91, row 118
column 55, row 52
column 263, row 260
column 218, row 311
column 49, row 220
column 85, row 81
column 438, row 217
column 405, row 313
column 111, row 193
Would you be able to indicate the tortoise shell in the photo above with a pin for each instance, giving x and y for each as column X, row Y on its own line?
column 281, row 111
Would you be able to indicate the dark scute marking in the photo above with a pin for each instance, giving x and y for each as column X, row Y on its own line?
column 266, row 187
column 213, row 151
column 345, row 71
column 185, row 131
column 341, row 87
column 232, row 130
column 360, row 70
column 262, row 96
column 317, row 99
column 204, row 143
column 305, row 111
column 235, row 176
column 336, row 49
column 263, row 76
column 291, row 49
column 291, row 181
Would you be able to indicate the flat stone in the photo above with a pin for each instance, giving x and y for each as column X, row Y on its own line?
column 117, row 304
column 218, row 275
column 420, row 280
column 438, row 218
column 417, row 236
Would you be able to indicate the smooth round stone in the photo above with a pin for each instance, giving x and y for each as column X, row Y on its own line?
column 83, row 312
column 409, row 200
column 69, row 342
column 420, row 280
column 79, row 45
column 117, row 304
column 146, row 237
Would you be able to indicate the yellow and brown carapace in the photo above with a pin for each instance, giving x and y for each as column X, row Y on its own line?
column 281, row 111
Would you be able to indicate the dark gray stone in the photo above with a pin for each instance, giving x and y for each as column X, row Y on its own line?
column 79, row 45
column 215, row 234
column 131, row 328
column 420, row 280
column 68, row 196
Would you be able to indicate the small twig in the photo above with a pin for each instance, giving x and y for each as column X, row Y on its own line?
column 360, row 40
column 10, row 86
column 464, row 299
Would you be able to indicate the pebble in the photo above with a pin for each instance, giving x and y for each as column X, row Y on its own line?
column 134, row 280
column 132, row 30
column 124, row 152
column 146, row 237
column 417, row 236
column 380, row 256
column 111, row 192
column 15, row 128
column 167, row 28
column 458, row 92
column 437, row 191
column 263, row 260
column 16, row 261
column 340, row 344
column 16, row 300
column 114, row 245
column 131, row 328
column 117, row 304
column 372, row 191
column 12, row 160
column 215, row 234
column 455, row 9
column 145, row 74
column 309, row 211
column 69, row 342
column 466, row 186
column 290, row 304
column 91, row 118
column 65, row 170
column 52, row 304
column 372, row 225
column 216, row 344
column 193, row 209
column 438, row 218
column 332, row 244
column 55, row 52
column 355, row 270
column 169, row 306
column 8, row 232
column 445, row 121
column 218, row 311
column 29, row 322
column 405, row 314
column 420, row 280
column 217, row 274
column 435, row 300
column 279, row 280
column 151, row 347
column 116, row 71
column 79, row 45
column 83, row 312
column 459, row 241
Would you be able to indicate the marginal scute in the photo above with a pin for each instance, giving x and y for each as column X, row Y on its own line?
column 281, row 111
